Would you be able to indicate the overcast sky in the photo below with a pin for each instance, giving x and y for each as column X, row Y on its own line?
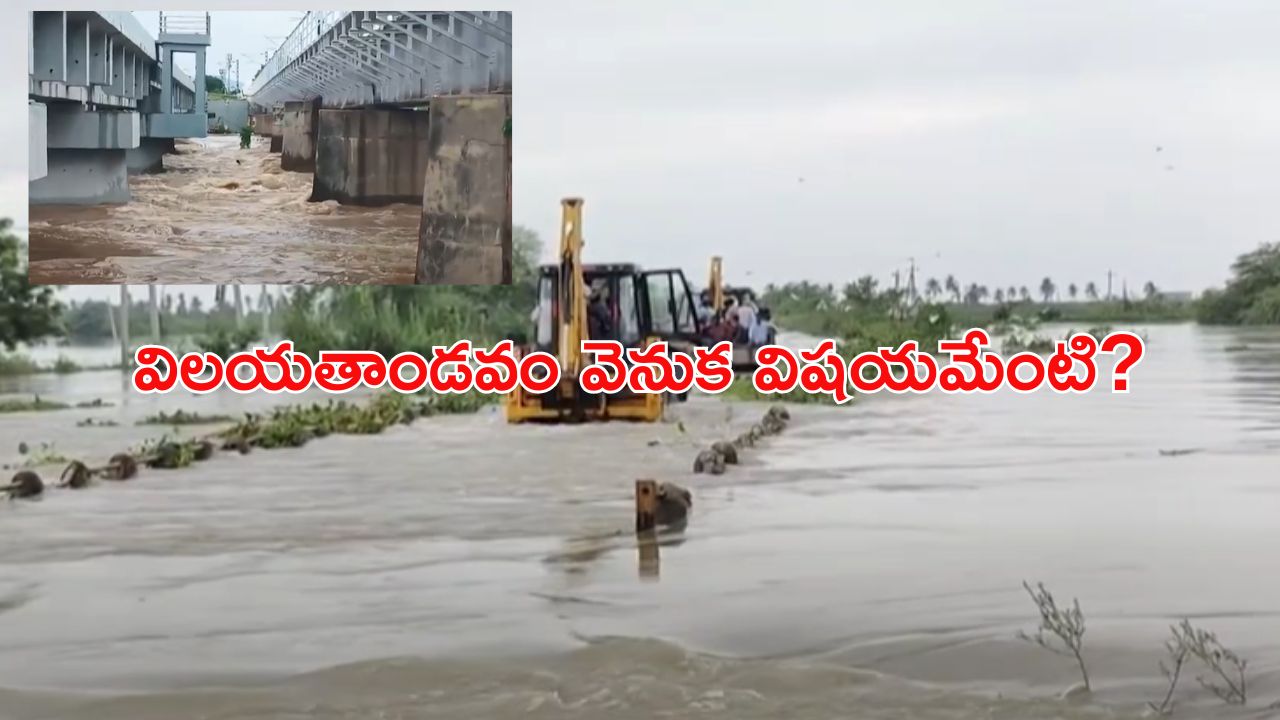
column 999, row 141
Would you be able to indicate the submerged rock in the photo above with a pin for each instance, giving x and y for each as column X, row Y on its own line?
column 727, row 450
column 76, row 475
column 122, row 466
column 674, row 503
column 709, row 461
column 25, row 484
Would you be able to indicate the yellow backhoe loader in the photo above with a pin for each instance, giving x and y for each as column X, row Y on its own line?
column 633, row 306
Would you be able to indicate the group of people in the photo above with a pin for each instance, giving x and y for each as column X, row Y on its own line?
column 737, row 322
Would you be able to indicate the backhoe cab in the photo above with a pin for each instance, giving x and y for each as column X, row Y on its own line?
column 618, row 301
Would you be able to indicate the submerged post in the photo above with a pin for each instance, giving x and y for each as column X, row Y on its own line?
column 646, row 505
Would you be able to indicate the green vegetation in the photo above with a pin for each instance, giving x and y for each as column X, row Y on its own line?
column 19, row 364
column 225, row 341
column 862, row 317
column 35, row 404
column 1251, row 296
column 183, row 417
column 27, row 313
column 43, row 455
column 296, row 425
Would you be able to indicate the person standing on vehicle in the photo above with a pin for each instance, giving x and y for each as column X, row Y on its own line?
column 746, row 320
column 763, row 332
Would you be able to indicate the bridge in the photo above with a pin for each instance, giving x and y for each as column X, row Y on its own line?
column 387, row 106
column 105, row 99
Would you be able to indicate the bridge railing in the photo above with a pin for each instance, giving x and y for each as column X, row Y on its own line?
column 194, row 23
column 310, row 29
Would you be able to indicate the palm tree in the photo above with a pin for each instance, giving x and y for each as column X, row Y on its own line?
column 1072, row 290
column 932, row 289
column 1024, row 293
column 1047, row 289
column 999, row 295
column 1012, row 293
column 983, row 293
column 953, row 287
column 862, row 290
column 1091, row 291
column 1150, row 291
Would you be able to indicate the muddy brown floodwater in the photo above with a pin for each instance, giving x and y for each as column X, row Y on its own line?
column 220, row 214
column 867, row 563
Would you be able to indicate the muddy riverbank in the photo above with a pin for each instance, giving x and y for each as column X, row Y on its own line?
column 867, row 562
column 221, row 214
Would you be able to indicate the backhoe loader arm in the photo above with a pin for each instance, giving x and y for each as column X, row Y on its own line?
column 715, row 283
column 573, row 300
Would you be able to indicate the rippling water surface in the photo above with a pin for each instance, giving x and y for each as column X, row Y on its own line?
column 220, row 214
column 866, row 563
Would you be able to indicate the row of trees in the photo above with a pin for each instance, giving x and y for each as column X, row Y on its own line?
column 1048, row 291
column 1251, row 296
column 861, row 291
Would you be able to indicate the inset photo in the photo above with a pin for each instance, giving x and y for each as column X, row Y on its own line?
column 364, row 147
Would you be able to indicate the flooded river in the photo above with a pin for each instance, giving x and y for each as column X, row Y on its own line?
column 866, row 563
column 220, row 214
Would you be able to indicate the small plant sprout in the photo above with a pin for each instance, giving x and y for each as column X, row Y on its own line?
column 1065, row 624
column 1227, row 680
column 1171, row 667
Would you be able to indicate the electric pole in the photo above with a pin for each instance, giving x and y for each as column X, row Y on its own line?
column 911, row 282
column 1108, row 284
column 124, row 327
column 152, row 293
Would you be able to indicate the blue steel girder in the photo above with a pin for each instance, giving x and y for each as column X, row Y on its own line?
column 388, row 56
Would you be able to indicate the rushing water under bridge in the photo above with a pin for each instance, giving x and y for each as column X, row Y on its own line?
column 387, row 106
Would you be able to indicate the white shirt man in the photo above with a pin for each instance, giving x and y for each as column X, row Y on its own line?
column 760, row 333
column 746, row 316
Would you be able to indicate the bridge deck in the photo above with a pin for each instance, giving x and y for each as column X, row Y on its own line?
column 354, row 58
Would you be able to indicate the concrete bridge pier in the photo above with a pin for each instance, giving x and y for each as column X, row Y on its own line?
column 86, row 156
column 370, row 157
column 262, row 124
column 465, row 234
column 298, row 136
column 148, row 157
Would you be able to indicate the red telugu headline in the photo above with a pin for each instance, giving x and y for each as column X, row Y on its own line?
column 460, row 368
